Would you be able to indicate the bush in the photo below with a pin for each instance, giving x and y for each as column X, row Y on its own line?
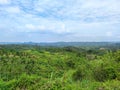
column 117, row 59
column 110, row 85
column 70, row 63
column 104, row 73
column 25, row 82
column 79, row 74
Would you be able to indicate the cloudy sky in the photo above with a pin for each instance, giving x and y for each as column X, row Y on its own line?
column 59, row 20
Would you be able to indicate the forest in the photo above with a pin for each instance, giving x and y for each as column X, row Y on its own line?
column 55, row 67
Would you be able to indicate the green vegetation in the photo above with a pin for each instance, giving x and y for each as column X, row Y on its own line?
column 32, row 67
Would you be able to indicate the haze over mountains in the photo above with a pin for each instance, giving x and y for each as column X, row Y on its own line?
column 63, row 44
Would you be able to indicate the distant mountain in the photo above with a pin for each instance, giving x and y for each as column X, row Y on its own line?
column 62, row 44
column 10, row 43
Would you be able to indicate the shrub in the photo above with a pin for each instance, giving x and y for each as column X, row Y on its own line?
column 70, row 63
column 104, row 73
column 79, row 74
column 25, row 82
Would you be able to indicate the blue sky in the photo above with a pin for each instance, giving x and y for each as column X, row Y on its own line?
column 59, row 20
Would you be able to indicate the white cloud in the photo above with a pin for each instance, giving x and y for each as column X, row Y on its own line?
column 30, row 27
column 41, row 27
column 109, row 34
column 50, row 26
column 13, row 9
column 4, row 1
column 82, row 18
column 33, row 28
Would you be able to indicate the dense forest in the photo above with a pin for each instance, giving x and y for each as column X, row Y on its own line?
column 70, row 67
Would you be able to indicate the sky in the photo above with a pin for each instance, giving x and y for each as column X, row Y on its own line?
column 59, row 20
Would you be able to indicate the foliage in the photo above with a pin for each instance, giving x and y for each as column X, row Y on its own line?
column 105, row 73
column 79, row 74
column 32, row 67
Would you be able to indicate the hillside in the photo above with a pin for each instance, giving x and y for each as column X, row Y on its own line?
column 31, row 67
